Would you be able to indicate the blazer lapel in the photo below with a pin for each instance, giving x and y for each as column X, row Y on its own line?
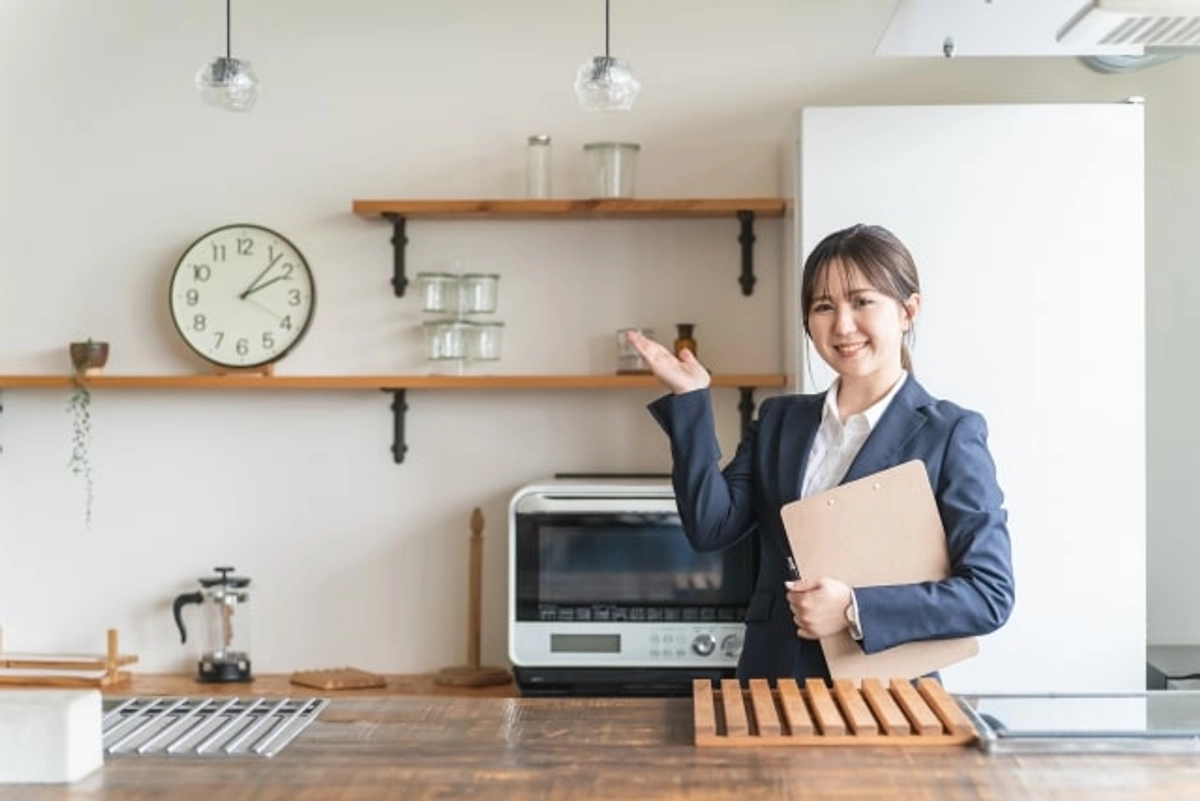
column 891, row 434
column 796, row 434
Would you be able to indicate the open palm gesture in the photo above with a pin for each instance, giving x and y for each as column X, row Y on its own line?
column 680, row 374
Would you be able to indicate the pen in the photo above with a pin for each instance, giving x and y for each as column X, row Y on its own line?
column 793, row 571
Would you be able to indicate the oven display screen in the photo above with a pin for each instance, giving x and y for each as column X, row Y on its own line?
column 626, row 567
column 585, row 643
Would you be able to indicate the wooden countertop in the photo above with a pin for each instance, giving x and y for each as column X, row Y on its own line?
column 421, row 748
column 277, row 685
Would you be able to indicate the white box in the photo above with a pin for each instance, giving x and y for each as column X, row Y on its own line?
column 49, row 736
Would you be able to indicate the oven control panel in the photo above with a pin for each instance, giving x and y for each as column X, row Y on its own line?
column 628, row 645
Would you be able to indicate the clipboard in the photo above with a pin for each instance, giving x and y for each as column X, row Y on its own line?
column 880, row 529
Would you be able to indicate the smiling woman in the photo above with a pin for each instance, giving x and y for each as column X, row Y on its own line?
column 859, row 298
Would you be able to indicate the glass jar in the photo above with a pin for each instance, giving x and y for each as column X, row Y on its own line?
column 483, row 341
column 445, row 339
column 477, row 293
column 629, row 361
column 439, row 292
column 612, row 168
column 537, row 168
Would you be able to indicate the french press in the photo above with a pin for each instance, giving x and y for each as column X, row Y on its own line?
column 224, row 651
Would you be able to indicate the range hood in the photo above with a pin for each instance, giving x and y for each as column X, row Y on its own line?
column 1042, row 28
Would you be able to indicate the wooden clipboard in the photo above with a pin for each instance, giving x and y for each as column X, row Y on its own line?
column 880, row 529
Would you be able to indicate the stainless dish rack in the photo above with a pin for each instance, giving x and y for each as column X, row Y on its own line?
column 205, row 727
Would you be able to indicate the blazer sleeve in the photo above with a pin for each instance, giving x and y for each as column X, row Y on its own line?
column 716, row 507
column 978, row 596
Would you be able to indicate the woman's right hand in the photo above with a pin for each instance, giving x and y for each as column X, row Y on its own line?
column 680, row 374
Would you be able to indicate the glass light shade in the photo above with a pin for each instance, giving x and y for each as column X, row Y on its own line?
column 606, row 84
column 228, row 83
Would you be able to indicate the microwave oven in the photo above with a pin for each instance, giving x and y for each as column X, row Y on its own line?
column 607, row 596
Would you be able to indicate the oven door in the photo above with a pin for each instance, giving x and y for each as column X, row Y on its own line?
column 612, row 582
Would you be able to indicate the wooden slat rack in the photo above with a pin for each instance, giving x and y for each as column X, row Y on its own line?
column 868, row 714
column 65, row 670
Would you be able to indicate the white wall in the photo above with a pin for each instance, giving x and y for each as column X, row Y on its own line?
column 110, row 166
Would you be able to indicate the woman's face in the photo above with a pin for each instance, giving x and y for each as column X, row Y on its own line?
column 857, row 329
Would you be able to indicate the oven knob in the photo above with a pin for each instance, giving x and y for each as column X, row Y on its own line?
column 704, row 644
column 731, row 645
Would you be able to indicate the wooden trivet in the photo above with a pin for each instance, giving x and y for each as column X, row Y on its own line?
column 868, row 714
column 338, row 679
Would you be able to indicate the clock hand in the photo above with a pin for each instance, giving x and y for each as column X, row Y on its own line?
column 254, row 284
column 245, row 295
column 264, row 308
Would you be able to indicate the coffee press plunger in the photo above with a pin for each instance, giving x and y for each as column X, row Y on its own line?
column 224, row 651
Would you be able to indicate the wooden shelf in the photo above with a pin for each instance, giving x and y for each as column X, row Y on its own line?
column 384, row 382
column 744, row 210
column 545, row 209
column 398, row 385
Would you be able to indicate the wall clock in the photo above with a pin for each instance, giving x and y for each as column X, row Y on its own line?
column 242, row 296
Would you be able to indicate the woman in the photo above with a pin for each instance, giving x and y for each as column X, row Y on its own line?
column 860, row 297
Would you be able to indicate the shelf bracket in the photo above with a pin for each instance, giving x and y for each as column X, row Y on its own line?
column 399, row 407
column 746, row 407
column 746, row 238
column 399, row 242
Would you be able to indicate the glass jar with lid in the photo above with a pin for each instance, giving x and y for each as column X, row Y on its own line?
column 439, row 292
column 478, row 293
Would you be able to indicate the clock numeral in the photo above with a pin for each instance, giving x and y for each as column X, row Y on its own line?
column 245, row 246
column 242, row 347
column 220, row 337
column 218, row 250
column 199, row 322
column 287, row 268
column 192, row 297
column 294, row 297
column 286, row 322
column 268, row 340
column 202, row 272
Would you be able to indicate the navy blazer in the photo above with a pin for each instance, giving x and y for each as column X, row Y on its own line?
column 720, row 507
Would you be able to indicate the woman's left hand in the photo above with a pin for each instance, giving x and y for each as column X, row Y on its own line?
column 818, row 606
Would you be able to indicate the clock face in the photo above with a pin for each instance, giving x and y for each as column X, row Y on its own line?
column 242, row 296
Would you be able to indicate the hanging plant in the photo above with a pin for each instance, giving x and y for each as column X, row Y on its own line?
column 86, row 358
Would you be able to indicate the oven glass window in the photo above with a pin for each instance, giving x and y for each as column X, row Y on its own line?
column 631, row 567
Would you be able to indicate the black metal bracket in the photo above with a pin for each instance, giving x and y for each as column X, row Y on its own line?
column 399, row 242
column 399, row 407
column 746, row 238
column 746, row 407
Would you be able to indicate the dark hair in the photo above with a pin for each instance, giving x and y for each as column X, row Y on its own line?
column 877, row 253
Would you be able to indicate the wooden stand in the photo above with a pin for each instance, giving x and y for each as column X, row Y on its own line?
column 472, row 674
column 65, row 670
column 867, row 714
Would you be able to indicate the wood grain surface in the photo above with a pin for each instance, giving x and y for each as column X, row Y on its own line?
column 427, row 748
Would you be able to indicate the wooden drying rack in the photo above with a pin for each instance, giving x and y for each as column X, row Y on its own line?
column 844, row 714
column 65, row 670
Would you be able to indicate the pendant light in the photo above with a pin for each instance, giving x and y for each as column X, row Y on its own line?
column 227, row 82
column 605, row 83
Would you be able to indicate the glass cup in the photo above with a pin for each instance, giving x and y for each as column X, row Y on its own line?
column 612, row 167
column 477, row 293
column 483, row 341
column 439, row 292
column 445, row 339
column 629, row 361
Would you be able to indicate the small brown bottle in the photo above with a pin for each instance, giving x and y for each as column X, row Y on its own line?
column 685, row 339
